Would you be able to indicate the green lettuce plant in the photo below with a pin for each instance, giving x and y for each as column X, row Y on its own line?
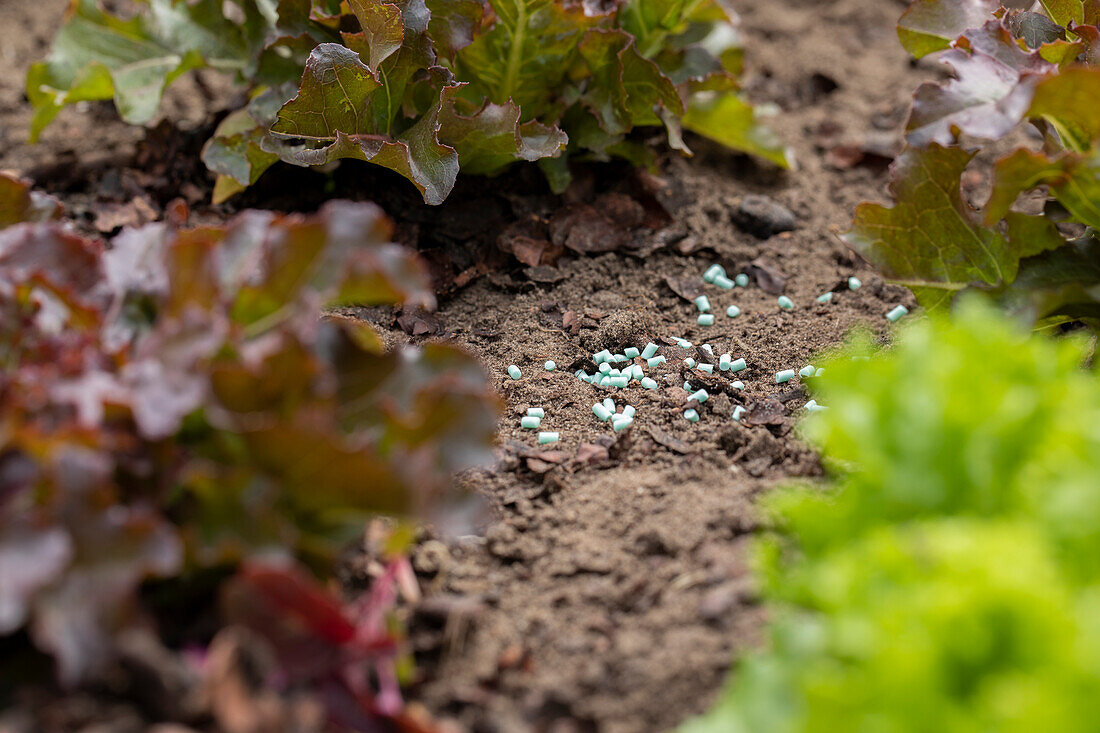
column 422, row 87
column 1010, row 68
column 947, row 576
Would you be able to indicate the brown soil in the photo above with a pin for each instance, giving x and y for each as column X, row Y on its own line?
column 610, row 590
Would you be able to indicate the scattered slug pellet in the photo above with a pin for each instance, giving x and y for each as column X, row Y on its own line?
column 784, row 302
column 705, row 319
column 708, row 348
column 619, row 423
column 737, row 365
column 702, row 303
column 654, row 361
column 687, row 386
column 620, row 381
column 550, row 366
column 737, row 385
column 628, row 411
column 897, row 313
column 819, row 372
column 713, row 272
column 723, row 282
column 648, row 383
column 619, row 358
column 724, row 362
column 691, row 415
column 699, row 396
column 636, row 371
column 683, row 343
column 738, row 412
column 650, row 350
column 530, row 422
column 812, row 406
column 545, row 438
column 605, row 368
column 825, row 297
column 601, row 356
column 742, row 280
column 708, row 368
column 854, row 283
column 536, row 412
column 690, row 363
column 631, row 352
column 806, row 371
column 733, row 311
column 609, row 404
column 601, row 412
column 784, row 376
column 614, row 373
column 514, row 372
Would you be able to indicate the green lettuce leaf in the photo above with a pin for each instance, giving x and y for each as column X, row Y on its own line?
column 932, row 240
column 931, row 25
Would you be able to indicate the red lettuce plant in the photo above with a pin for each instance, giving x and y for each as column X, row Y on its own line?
column 1010, row 67
column 177, row 401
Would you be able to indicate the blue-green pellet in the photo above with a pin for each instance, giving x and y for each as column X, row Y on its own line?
column 713, row 272
column 601, row 356
column 897, row 313
column 614, row 373
column 514, row 372
column 654, row 361
column 648, row 383
column 545, row 438
column 550, row 366
column 650, row 350
column 738, row 412
column 691, row 415
column 703, row 304
column 683, row 343
column 631, row 352
column 536, row 412
column 812, row 406
column 620, row 358
column 784, row 302
column 825, row 297
column 737, row 365
column 530, row 422
column 742, row 280
column 605, row 368
column 806, row 371
column 723, row 282
column 708, row 348
column 690, row 363
column 708, row 368
column 687, row 386
column 733, row 311
column 609, row 404
column 819, row 372
column 620, row 423
column 784, row 376
column 724, row 362
column 737, row 385
column 854, row 283
column 601, row 412
column 699, row 396
column 628, row 411
column 581, row 375
column 706, row 319
column 620, row 381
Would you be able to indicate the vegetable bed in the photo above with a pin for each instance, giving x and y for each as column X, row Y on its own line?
column 600, row 581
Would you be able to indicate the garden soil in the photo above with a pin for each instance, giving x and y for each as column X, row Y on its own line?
column 607, row 586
